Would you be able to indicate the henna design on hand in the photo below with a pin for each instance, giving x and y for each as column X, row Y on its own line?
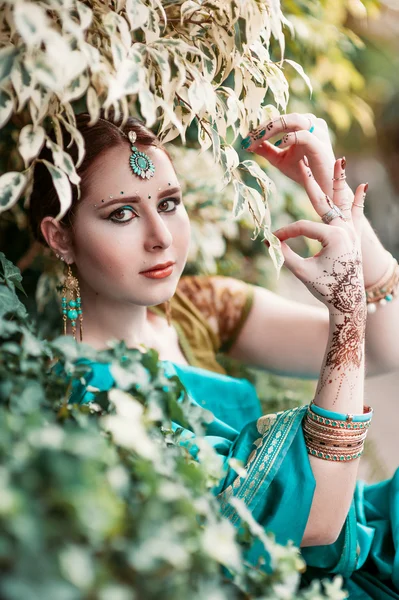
column 342, row 288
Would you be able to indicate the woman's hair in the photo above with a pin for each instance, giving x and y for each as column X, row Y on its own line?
column 106, row 133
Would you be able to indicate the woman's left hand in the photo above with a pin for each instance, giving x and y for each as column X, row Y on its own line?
column 302, row 135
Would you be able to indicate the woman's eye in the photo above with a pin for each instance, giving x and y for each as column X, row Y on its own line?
column 118, row 215
column 168, row 205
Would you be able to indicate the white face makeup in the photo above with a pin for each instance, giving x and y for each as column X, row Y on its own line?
column 126, row 225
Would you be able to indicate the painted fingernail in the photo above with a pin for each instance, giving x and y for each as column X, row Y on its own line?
column 278, row 143
column 366, row 187
column 267, row 244
column 305, row 160
column 343, row 163
column 246, row 142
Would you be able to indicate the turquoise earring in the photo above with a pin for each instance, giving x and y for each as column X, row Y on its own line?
column 72, row 309
column 140, row 163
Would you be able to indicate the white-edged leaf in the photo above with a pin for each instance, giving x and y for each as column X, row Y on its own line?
column 31, row 22
column 62, row 186
column 274, row 249
column 23, row 83
column 301, row 72
column 31, row 140
column 76, row 137
column 137, row 14
column 6, row 107
column 240, row 198
column 7, row 58
column 93, row 105
column 63, row 161
column 148, row 107
column 11, row 187
column 85, row 14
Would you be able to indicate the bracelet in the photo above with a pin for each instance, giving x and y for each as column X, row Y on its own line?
column 335, row 436
column 385, row 289
column 365, row 417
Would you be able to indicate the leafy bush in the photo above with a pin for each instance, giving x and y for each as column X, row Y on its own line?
column 100, row 501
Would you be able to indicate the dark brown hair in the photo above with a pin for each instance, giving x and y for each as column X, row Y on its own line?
column 98, row 138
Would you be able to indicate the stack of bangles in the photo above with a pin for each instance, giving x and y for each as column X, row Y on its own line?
column 335, row 436
column 385, row 289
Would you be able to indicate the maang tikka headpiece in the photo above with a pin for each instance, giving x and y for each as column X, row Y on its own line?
column 141, row 164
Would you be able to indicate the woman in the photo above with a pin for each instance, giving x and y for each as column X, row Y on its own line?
column 128, row 239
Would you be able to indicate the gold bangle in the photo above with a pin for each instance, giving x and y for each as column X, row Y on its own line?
column 386, row 287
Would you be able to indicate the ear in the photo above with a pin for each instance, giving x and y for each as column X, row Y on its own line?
column 58, row 237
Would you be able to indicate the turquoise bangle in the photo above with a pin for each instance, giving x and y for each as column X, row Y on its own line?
column 329, row 414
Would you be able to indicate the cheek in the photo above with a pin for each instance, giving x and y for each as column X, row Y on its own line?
column 182, row 231
column 98, row 247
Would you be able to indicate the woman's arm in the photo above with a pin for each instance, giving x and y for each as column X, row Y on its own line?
column 382, row 333
column 334, row 276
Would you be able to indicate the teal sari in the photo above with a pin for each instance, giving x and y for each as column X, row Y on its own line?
column 278, row 485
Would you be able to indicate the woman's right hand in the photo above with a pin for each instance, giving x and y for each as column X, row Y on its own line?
column 335, row 274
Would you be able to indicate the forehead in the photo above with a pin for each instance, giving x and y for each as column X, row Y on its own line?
column 112, row 171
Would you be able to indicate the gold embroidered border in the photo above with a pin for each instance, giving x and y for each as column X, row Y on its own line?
column 276, row 426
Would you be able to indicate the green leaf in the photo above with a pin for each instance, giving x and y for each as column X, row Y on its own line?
column 11, row 273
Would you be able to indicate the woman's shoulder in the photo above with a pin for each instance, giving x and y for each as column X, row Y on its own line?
column 223, row 301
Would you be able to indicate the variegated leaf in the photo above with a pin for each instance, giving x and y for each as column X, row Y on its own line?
column 31, row 22
column 137, row 14
column 31, row 140
column 6, row 107
column 63, row 161
column 11, row 187
column 62, row 186
column 7, row 59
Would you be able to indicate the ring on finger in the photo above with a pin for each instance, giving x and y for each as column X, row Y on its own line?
column 283, row 122
column 342, row 177
column 296, row 138
column 359, row 205
column 333, row 213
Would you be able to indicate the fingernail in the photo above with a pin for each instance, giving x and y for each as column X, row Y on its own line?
column 366, row 187
column 343, row 163
column 267, row 244
column 305, row 160
column 246, row 142
column 278, row 143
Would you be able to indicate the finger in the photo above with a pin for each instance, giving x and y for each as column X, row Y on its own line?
column 292, row 260
column 309, row 229
column 283, row 123
column 268, row 151
column 358, row 207
column 321, row 202
column 340, row 189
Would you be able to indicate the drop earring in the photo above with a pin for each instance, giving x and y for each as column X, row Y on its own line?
column 71, row 308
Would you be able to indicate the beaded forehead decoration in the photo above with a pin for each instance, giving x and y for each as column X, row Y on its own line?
column 141, row 164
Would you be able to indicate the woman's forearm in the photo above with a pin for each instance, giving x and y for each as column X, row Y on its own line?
column 382, row 331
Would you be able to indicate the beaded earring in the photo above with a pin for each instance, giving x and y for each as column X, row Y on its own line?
column 72, row 309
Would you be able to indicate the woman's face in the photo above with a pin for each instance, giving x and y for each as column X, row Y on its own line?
column 125, row 225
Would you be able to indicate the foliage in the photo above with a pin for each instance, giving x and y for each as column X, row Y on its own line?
column 101, row 501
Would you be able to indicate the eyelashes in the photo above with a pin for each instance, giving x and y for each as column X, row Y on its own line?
column 112, row 217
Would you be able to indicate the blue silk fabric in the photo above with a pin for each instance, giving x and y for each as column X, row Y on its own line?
column 278, row 486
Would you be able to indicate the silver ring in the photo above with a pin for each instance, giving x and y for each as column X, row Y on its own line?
column 283, row 123
column 342, row 177
column 333, row 213
column 296, row 138
column 359, row 205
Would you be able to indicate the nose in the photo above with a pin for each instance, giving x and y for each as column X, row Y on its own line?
column 158, row 236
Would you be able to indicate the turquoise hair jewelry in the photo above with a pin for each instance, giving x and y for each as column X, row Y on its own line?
column 140, row 162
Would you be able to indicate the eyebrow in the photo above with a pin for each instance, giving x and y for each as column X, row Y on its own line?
column 137, row 199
